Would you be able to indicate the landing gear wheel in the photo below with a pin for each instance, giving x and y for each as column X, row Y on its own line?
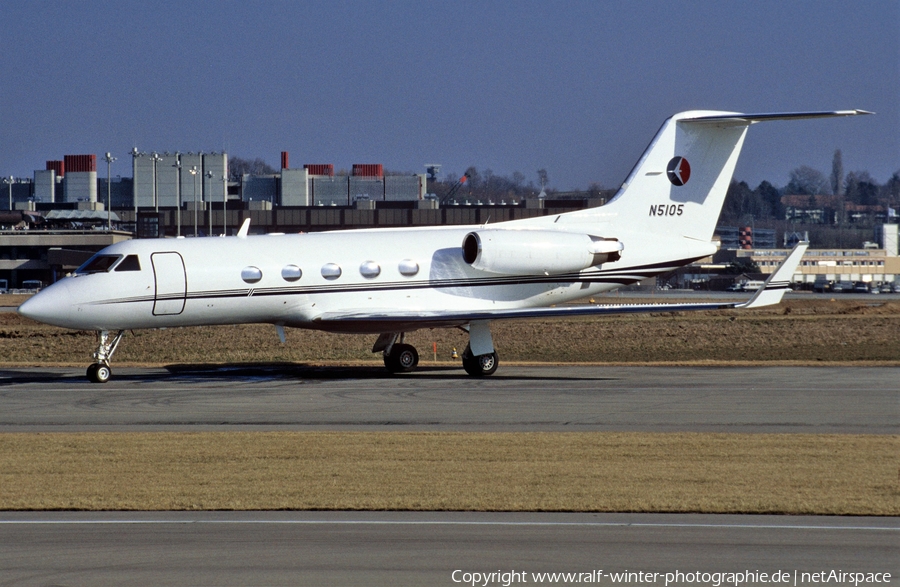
column 99, row 373
column 480, row 366
column 403, row 358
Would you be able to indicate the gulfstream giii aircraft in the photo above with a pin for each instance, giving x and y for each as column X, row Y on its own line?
column 387, row 282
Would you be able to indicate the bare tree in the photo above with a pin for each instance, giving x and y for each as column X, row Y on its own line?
column 893, row 187
column 806, row 181
column 861, row 188
column 837, row 173
column 238, row 167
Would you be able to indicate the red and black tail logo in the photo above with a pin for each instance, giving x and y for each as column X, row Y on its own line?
column 679, row 171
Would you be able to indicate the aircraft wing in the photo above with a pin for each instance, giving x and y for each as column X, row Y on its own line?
column 769, row 293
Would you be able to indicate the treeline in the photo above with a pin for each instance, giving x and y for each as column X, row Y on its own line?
column 766, row 202
column 849, row 205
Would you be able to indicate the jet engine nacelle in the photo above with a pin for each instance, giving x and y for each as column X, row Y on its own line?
column 537, row 252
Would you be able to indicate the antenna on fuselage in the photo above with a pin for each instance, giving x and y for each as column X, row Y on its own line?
column 245, row 228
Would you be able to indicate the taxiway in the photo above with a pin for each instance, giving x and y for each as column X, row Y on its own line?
column 860, row 400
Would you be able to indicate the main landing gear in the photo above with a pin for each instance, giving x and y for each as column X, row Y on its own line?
column 100, row 371
column 400, row 357
column 480, row 366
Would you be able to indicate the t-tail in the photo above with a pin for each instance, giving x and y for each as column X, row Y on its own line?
column 678, row 186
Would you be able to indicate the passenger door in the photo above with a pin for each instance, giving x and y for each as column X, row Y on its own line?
column 170, row 277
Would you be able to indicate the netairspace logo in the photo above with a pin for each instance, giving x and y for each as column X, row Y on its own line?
column 715, row 579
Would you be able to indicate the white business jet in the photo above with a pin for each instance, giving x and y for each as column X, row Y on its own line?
column 387, row 282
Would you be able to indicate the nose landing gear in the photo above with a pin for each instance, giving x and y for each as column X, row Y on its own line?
column 100, row 371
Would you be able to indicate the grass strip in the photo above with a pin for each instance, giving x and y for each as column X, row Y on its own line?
column 541, row 471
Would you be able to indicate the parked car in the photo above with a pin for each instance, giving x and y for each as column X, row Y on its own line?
column 885, row 287
column 841, row 287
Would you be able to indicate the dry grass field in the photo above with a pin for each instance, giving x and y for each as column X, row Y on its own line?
column 567, row 471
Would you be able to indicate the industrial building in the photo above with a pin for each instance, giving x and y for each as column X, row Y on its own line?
column 170, row 180
column 173, row 180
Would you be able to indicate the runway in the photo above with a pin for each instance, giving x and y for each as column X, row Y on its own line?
column 316, row 548
column 407, row 548
column 585, row 398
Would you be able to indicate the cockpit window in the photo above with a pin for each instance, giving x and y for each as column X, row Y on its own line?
column 98, row 264
column 129, row 263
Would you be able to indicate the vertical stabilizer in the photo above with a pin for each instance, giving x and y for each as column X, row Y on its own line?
column 678, row 186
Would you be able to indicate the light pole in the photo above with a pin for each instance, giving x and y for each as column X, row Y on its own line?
column 194, row 171
column 156, row 159
column 109, row 159
column 134, row 155
column 208, row 189
column 224, row 204
column 9, row 180
column 177, row 167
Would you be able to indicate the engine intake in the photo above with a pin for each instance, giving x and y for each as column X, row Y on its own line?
column 537, row 252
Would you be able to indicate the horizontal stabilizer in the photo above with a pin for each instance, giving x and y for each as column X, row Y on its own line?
column 743, row 119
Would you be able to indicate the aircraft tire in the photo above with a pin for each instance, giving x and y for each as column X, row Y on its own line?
column 99, row 373
column 403, row 358
column 480, row 366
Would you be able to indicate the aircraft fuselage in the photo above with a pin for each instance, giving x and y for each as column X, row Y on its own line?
column 292, row 279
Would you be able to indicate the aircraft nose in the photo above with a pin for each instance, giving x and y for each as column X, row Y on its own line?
column 49, row 305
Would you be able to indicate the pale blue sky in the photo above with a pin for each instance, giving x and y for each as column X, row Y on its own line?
column 578, row 88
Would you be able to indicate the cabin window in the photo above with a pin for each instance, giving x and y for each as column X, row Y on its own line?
column 331, row 271
column 408, row 267
column 291, row 273
column 98, row 264
column 251, row 274
column 129, row 263
column 369, row 269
